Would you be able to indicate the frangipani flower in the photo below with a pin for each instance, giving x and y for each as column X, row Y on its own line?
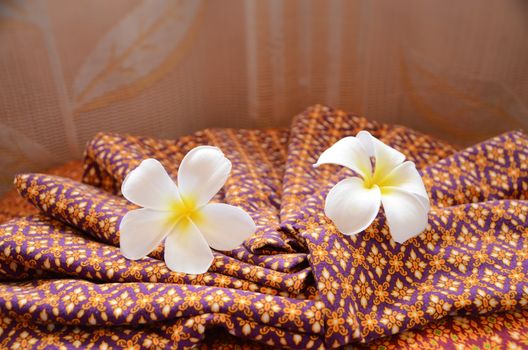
column 181, row 214
column 383, row 178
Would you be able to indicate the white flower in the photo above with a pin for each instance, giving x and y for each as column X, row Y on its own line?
column 181, row 214
column 385, row 178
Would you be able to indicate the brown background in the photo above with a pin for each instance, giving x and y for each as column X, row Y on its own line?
column 68, row 69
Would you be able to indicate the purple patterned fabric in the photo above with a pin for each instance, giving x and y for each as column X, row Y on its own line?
column 297, row 282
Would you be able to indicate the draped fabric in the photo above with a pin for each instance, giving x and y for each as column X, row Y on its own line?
column 297, row 282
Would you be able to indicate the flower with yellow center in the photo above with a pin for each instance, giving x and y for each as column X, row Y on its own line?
column 181, row 214
column 384, row 177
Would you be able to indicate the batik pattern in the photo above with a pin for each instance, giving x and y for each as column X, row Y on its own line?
column 297, row 282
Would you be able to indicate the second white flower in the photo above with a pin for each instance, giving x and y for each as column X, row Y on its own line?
column 384, row 177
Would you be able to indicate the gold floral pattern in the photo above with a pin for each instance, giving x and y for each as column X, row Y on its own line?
column 297, row 282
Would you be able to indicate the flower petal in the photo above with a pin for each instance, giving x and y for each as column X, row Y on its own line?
column 350, row 153
column 405, row 212
column 406, row 177
column 387, row 158
column 351, row 206
column 203, row 171
column 224, row 226
column 141, row 231
column 150, row 186
column 186, row 250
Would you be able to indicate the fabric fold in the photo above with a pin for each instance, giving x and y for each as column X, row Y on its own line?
column 298, row 282
column 377, row 286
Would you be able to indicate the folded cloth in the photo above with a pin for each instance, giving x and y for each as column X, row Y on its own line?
column 491, row 330
column 297, row 282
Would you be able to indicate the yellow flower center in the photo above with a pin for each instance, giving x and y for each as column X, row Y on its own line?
column 184, row 211
column 371, row 180
column 377, row 178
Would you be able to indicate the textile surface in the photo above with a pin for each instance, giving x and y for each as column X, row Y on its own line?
column 167, row 68
column 297, row 282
